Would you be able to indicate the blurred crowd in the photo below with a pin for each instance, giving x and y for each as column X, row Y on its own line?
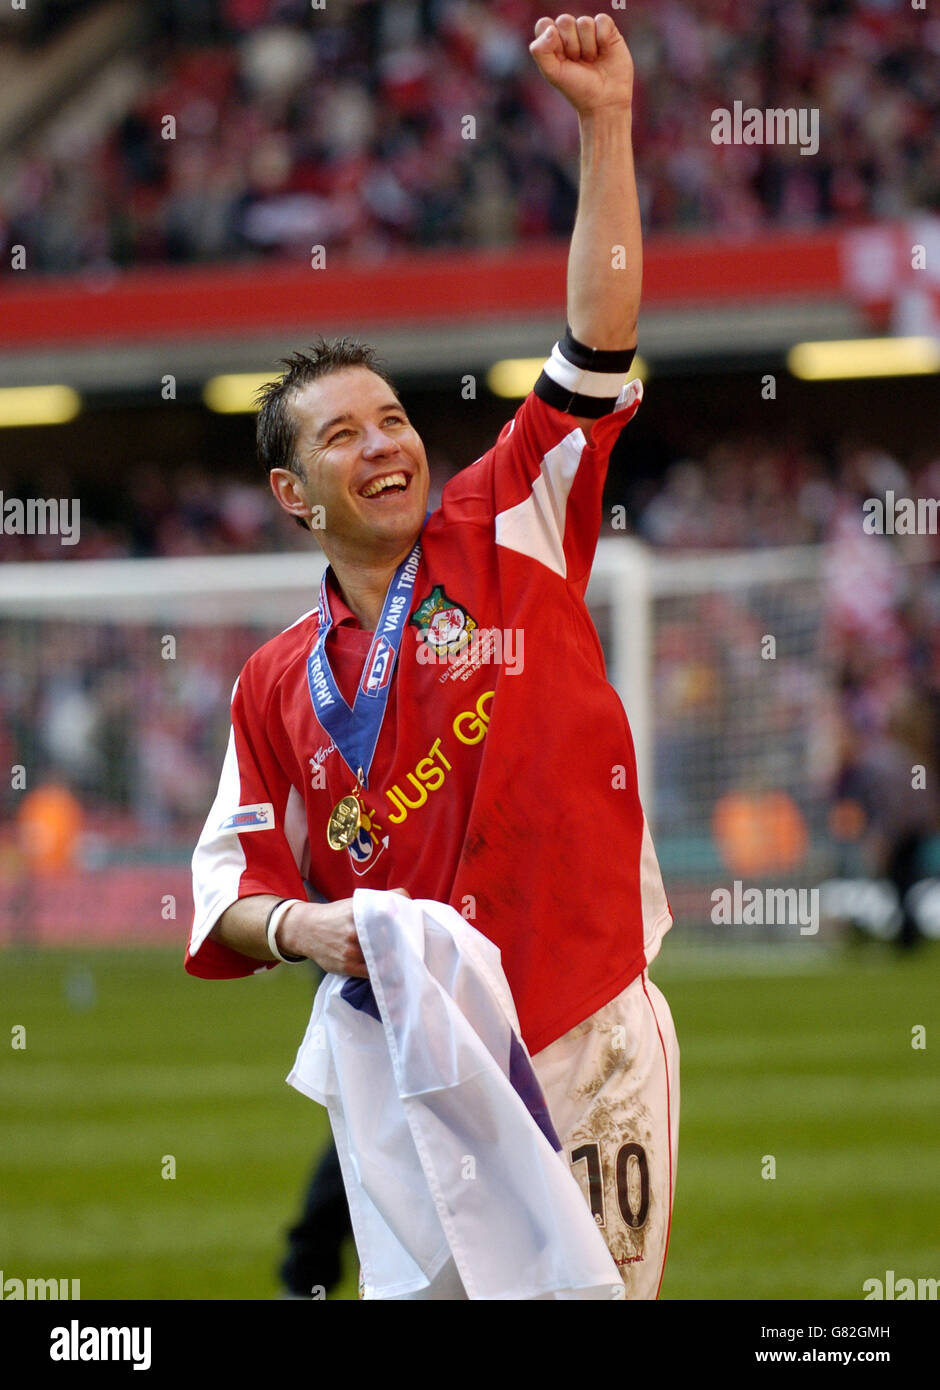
column 138, row 740
column 263, row 127
column 161, row 512
column 823, row 689
column 745, row 492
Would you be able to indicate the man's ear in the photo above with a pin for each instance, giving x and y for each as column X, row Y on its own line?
column 286, row 487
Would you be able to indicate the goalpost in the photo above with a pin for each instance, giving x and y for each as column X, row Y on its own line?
column 720, row 660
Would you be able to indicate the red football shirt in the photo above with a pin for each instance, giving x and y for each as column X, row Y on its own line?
column 504, row 779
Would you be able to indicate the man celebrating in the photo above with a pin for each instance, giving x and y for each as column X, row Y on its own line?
column 377, row 742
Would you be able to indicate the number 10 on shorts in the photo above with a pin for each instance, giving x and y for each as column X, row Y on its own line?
column 632, row 1182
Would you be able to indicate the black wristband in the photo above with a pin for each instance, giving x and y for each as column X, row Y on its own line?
column 595, row 359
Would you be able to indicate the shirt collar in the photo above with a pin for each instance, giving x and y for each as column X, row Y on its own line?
column 339, row 608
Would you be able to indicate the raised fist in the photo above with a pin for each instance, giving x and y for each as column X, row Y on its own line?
column 586, row 59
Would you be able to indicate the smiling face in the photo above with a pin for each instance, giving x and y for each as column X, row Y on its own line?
column 363, row 463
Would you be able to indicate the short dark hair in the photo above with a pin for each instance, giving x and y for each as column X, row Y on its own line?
column 276, row 430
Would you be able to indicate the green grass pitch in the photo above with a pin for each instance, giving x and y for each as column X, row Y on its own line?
column 804, row 1055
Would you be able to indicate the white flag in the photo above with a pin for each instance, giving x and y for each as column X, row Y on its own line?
column 451, row 1164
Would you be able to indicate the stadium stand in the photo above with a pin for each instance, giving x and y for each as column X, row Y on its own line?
column 348, row 126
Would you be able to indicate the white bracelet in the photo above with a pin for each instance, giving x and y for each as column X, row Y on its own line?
column 279, row 911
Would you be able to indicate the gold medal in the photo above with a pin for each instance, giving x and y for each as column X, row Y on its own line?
column 345, row 820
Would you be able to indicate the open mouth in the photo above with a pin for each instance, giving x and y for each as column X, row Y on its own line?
column 389, row 485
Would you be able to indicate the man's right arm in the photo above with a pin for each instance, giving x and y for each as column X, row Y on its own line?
column 245, row 848
column 323, row 932
column 246, row 862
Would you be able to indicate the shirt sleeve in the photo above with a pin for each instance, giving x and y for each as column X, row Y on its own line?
column 253, row 841
column 541, row 485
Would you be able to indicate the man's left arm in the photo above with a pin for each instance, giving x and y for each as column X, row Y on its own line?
column 587, row 60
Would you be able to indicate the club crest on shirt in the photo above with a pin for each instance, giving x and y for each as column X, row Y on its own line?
column 445, row 625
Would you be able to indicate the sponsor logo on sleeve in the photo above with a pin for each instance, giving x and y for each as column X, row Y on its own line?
column 259, row 817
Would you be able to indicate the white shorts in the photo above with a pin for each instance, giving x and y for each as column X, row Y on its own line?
column 612, row 1086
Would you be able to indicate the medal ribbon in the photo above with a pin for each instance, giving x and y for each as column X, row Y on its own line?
column 355, row 731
